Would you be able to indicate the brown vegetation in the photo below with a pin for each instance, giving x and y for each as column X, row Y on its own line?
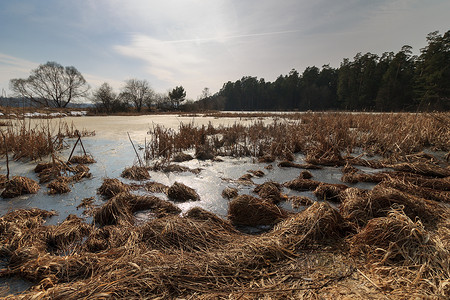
column 112, row 187
column 391, row 241
column 251, row 211
column 19, row 185
column 181, row 192
column 136, row 173
column 85, row 159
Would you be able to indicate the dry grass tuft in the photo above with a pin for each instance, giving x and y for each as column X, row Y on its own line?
column 187, row 234
column 155, row 187
column 180, row 157
column 115, row 211
column 330, row 192
column 181, row 192
column 353, row 177
column 397, row 245
column 19, row 185
column 65, row 236
column 229, row 193
column 422, row 168
column 59, row 186
column 199, row 214
column 300, row 184
column 305, row 175
column 85, row 159
column 158, row 206
column 251, row 211
column 299, row 201
column 317, row 223
column 136, row 173
column 270, row 191
column 360, row 206
column 111, row 187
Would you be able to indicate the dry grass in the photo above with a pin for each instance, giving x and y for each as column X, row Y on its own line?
column 330, row 192
column 111, row 187
column 230, row 193
column 361, row 206
column 319, row 222
column 270, row 191
column 59, row 186
column 300, row 184
column 84, row 159
column 325, row 139
column 299, row 201
column 403, row 249
column 19, row 185
column 31, row 142
column 180, row 192
column 389, row 242
column 136, row 173
column 180, row 157
column 251, row 211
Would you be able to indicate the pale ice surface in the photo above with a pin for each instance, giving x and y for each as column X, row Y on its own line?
column 113, row 152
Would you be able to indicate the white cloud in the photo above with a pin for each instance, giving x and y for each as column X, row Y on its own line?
column 13, row 67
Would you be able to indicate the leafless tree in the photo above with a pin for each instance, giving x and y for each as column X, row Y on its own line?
column 137, row 92
column 104, row 98
column 51, row 84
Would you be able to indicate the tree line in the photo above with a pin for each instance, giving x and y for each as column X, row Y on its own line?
column 53, row 85
column 390, row 82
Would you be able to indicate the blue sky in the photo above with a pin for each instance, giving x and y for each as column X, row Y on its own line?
column 204, row 43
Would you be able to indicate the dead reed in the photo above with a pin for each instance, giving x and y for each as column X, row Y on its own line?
column 84, row 159
column 230, row 193
column 19, row 185
column 136, row 173
column 404, row 249
column 330, row 192
column 270, row 191
column 397, row 233
column 251, row 211
column 27, row 140
column 299, row 201
column 300, row 184
column 181, row 192
column 361, row 206
column 111, row 187
column 318, row 223
column 325, row 139
column 59, row 186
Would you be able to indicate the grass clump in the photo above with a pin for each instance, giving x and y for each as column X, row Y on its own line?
column 251, row 211
column 181, row 192
column 19, row 185
column 136, row 173
column 111, row 187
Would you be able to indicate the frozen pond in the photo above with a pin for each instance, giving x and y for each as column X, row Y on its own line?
column 113, row 152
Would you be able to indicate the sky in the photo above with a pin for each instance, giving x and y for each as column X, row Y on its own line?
column 204, row 43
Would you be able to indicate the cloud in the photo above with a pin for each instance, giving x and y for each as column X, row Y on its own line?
column 164, row 60
column 13, row 67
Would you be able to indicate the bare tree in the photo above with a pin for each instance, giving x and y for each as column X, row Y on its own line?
column 138, row 93
column 51, row 84
column 104, row 98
